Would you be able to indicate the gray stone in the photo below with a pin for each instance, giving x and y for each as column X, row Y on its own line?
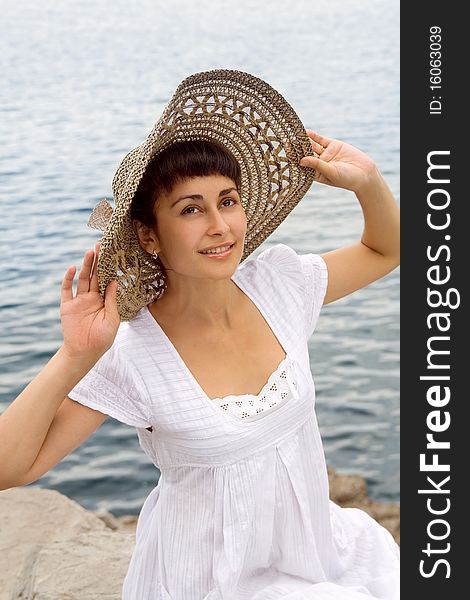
column 53, row 549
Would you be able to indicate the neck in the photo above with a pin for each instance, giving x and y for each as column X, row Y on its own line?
column 205, row 303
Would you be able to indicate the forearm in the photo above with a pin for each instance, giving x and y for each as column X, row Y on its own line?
column 381, row 217
column 25, row 423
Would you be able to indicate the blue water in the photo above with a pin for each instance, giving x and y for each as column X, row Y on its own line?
column 83, row 82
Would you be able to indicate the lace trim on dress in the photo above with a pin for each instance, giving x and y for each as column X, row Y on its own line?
column 275, row 391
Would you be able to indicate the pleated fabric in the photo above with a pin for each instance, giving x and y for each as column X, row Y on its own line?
column 241, row 510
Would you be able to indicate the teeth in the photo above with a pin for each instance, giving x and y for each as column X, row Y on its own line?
column 216, row 250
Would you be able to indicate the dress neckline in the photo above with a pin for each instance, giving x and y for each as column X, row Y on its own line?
column 179, row 360
column 262, row 390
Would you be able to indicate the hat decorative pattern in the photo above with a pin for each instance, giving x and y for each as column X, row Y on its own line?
column 249, row 118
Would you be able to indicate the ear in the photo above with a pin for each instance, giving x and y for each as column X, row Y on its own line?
column 147, row 237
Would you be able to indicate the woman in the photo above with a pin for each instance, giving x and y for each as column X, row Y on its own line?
column 173, row 332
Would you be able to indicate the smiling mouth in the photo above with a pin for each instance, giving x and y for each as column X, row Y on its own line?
column 221, row 250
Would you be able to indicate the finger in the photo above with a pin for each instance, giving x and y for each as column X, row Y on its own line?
column 309, row 161
column 110, row 299
column 66, row 293
column 316, row 147
column 83, row 283
column 320, row 139
column 326, row 172
column 322, row 167
column 94, row 286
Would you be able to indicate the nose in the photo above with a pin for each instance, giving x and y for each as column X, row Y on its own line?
column 216, row 223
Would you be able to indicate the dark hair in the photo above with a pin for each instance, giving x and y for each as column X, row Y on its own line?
column 180, row 161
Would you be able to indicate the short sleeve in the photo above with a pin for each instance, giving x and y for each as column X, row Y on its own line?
column 113, row 387
column 316, row 281
column 304, row 277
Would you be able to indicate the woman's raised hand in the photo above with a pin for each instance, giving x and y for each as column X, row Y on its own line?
column 89, row 325
column 339, row 164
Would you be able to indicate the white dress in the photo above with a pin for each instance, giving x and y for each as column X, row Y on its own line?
column 241, row 510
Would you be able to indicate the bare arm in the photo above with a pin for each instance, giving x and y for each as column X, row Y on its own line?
column 42, row 425
column 378, row 252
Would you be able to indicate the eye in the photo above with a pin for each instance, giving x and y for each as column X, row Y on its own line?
column 188, row 211
column 185, row 211
column 231, row 199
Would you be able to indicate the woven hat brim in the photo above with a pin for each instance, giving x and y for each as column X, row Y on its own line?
column 260, row 128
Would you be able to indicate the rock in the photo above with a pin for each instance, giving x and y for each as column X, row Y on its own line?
column 127, row 522
column 60, row 518
column 53, row 549
column 91, row 566
column 351, row 491
column 347, row 489
column 108, row 519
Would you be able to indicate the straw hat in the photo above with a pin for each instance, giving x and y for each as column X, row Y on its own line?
column 250, row 119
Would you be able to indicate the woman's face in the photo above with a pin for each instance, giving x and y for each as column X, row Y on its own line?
column 198, row 214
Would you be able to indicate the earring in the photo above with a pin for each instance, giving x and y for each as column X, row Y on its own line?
column 154, row 254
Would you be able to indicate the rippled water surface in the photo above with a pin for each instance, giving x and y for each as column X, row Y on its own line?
column 83, row 82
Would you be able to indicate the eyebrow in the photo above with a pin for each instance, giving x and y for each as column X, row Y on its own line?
column 199, row 197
